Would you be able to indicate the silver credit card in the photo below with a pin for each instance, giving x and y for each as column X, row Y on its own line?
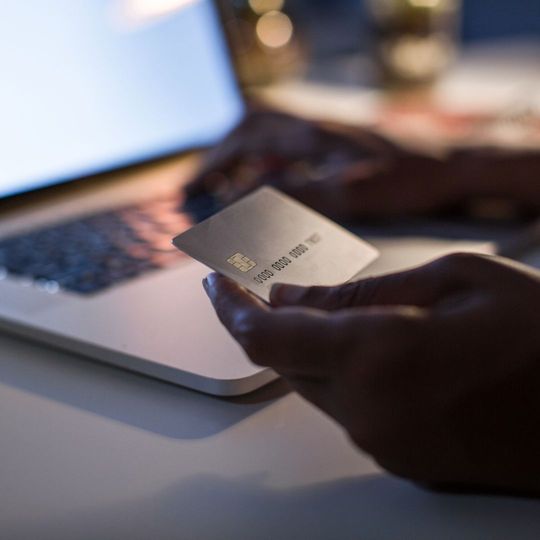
column 267, row 238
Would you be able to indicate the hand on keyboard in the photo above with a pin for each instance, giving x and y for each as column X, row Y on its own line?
column 341, row 171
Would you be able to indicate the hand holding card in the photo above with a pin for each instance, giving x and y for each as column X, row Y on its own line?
column 267, row 238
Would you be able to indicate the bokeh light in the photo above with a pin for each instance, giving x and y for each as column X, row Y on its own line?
column 264, row 6
column 274, row 30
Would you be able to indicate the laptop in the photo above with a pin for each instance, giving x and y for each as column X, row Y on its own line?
column 89, row 90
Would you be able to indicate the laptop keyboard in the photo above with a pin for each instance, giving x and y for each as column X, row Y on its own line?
column 90, row 254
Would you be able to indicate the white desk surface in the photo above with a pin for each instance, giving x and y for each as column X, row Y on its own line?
column 91, row 452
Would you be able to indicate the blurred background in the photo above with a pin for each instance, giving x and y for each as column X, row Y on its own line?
column 461, row 69
column 338, row 26
column 432, row 75
column 308, row 35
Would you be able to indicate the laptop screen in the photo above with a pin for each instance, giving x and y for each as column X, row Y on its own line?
column 91, row 85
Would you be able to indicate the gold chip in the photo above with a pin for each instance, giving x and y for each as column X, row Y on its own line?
column 241, row 262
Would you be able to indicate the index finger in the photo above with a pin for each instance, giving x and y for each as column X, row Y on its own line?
column 220, row 159
column 247, row 137
column 232, row 302
column 295, row 341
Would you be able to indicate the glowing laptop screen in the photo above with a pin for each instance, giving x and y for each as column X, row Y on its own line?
column 91, row 85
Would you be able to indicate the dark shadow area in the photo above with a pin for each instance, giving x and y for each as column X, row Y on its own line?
column 458, row 229
column 367, row 508
column 148, row 404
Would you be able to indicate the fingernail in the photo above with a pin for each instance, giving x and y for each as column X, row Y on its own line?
column 211, row 280
column 286, row 294
column 209, row 283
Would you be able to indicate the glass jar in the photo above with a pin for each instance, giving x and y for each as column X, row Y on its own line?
column 264, row 40
column 415, row 40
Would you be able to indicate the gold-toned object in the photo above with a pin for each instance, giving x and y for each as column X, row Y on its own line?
column 415, row 40
column 241, row 262
column 264, row 41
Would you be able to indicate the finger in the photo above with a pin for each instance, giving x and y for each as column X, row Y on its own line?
column 219, row 160
column 389, row 185
column 424, row 286
column 293, row 341
column 336, row 195
column 260, row 131
column 232, row 302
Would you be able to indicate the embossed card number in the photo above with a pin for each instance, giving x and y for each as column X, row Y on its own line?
column 281, row 264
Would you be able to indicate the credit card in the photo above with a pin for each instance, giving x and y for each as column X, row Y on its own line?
column 268, row 237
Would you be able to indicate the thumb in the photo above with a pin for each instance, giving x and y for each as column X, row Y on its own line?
column 424, row 286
